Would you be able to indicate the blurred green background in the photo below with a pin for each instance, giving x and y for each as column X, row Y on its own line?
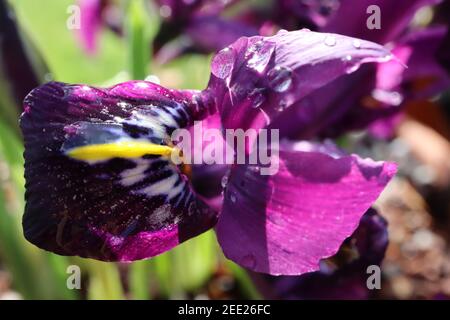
column 195, row 269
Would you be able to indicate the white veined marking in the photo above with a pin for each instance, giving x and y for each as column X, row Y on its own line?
column 148, row 121
column 160, row 214
column 164, row 187
column 167, row 118
column 136, row 174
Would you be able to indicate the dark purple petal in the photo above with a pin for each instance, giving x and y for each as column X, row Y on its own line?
column 207, row 178
column 119, row 209
column 287, row 222
column 395, row 18
column 257, row 78
column 343, row 276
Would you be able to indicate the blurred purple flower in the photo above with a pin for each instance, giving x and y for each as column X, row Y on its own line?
column 95, row 15
column 342, row 276
column 91, row 23
column 196, row 26
column 127, row 206
column 375, row 94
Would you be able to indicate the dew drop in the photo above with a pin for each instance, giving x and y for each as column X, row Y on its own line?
column 233, row 198
column 224, row 181
column 352, row 68
column 357, row 44
column 257, row 97
column 254, row 169
column 259, row 55
column 249, row 261
column 388, row 97
column 281, row 105
column 280, row 78
column 347, row 58
column 222, row 63
column 305, row 30
column 276, row 218
column 282, row 31
column 330, row 41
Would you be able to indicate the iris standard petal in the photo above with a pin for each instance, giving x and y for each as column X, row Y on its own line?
column 257, row 78
column 287, row 222
column 99, row 182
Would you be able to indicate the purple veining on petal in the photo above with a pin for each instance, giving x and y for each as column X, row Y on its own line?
column 263, row 225
column 114, row 210
column 343, row 276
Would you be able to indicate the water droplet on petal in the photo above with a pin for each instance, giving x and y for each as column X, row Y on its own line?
column 305, row 30
column 281, row 105
column 222, row 63
column 352, row 68
column 233, row 198
column 388, row 97
column 249, row 261
column 259, row 54
column 386, row 58
column 280, row 78
column 224, row 181
column 282, row 31
column 255, row 169
column 330, row 40
column 347, row 58
column 357, row 43
column 257, row 97
column 277, row 218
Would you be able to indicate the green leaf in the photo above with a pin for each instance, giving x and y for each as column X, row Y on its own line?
column 104, row 281
column 45, row 22
column 140, row 29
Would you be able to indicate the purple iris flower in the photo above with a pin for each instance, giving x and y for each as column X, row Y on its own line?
column 117, row 201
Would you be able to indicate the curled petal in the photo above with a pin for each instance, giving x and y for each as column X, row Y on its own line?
column 257, row 78
column 343, row 276
column 87, row 194
column 284, row 224
column 424, row 76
